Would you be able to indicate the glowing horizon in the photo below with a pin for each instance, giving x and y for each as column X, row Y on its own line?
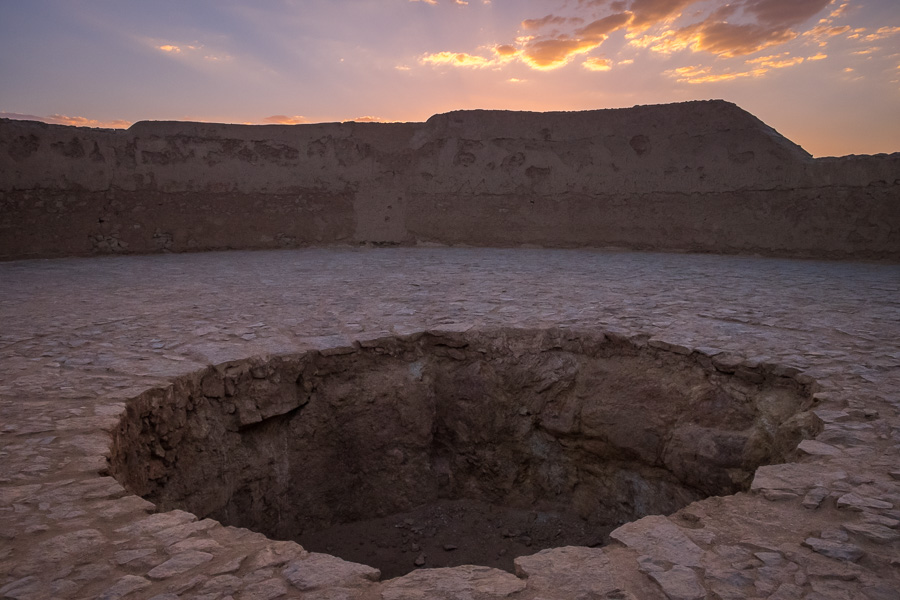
column 824, row 73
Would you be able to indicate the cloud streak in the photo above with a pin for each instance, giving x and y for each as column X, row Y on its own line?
column 57, row 119
column 739, row 28
column 285, row 120
column 195, row 53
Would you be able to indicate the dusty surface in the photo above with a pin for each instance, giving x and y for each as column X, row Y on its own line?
column 694, row 176
column 82, row 336
column 449, row 533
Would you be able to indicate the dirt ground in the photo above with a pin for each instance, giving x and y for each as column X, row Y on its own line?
column 449, row 533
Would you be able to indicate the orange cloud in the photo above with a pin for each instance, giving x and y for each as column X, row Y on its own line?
column 700, row 74
column 760, row 66
column 502, row 54
column 882, row 33
column 601, row 28
column 432, row 2
column 739, row 28
column 764, row 59
column 648, row 13
column 457, row 59
column 839, row 11
column 541, row 53
column 57, row 119
column 554, row 53
column 173, row 49
column 191, row 53
column 778, row 61
column 285, row 120
column 826, row 30
column 780, row 14
column 781, row 64
column 716, row 34
column 368, row 119
column 727, row 40
column 85, row 122
column 538, row 23
column 597, row 64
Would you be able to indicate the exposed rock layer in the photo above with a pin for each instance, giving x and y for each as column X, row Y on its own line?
column 549, row 421
column 696, row 176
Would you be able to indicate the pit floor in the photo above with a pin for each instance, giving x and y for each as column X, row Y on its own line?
column 449, row 533
column 81, row 336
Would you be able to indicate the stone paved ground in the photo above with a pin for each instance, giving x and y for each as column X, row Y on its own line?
column 78, row 337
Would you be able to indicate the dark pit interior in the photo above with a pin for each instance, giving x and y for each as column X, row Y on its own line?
column 440, row 449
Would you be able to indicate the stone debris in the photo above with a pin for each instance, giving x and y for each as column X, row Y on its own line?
column 568, row 571
column 660, row 539
column 179, row 563
column 834, row 549
column 815, row 496
column 873, row 531
column 793, row 479
column 859, row 503
column 318, row 571
column 679, row 583
column 478, row 583
column 816, row 448
column 125, row 586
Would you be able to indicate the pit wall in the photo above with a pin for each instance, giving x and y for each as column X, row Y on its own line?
column 697, row 176
column 608, row 427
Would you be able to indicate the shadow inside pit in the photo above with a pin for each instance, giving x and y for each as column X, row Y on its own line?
column 441, row 449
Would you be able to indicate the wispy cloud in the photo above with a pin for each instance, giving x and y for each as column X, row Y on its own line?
column 882, row 33
column 57, row 119
column 650, row 13
column 550, row 20
column 458, row 59
column 597, row 64
column 285, row 120
column 705, row 74
column 540, row 52
column 193, row 52
column 737, row 29
column 755, row 67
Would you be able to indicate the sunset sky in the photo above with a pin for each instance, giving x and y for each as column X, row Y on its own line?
column 826, row 74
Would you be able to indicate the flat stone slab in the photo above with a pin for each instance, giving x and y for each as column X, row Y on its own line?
column 79, row 337
column 659, row 538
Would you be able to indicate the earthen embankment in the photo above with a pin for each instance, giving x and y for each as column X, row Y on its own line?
column 696, row 176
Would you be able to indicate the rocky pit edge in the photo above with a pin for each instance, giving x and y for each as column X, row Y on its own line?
column 447, row 448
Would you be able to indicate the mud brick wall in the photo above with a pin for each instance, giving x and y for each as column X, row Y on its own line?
column 696, row 176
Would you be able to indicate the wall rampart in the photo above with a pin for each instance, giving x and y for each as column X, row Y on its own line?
column 696, row 176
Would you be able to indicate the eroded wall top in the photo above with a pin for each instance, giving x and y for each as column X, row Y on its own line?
column 386, row 176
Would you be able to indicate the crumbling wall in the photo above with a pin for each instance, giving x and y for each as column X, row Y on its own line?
column 696, row 176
